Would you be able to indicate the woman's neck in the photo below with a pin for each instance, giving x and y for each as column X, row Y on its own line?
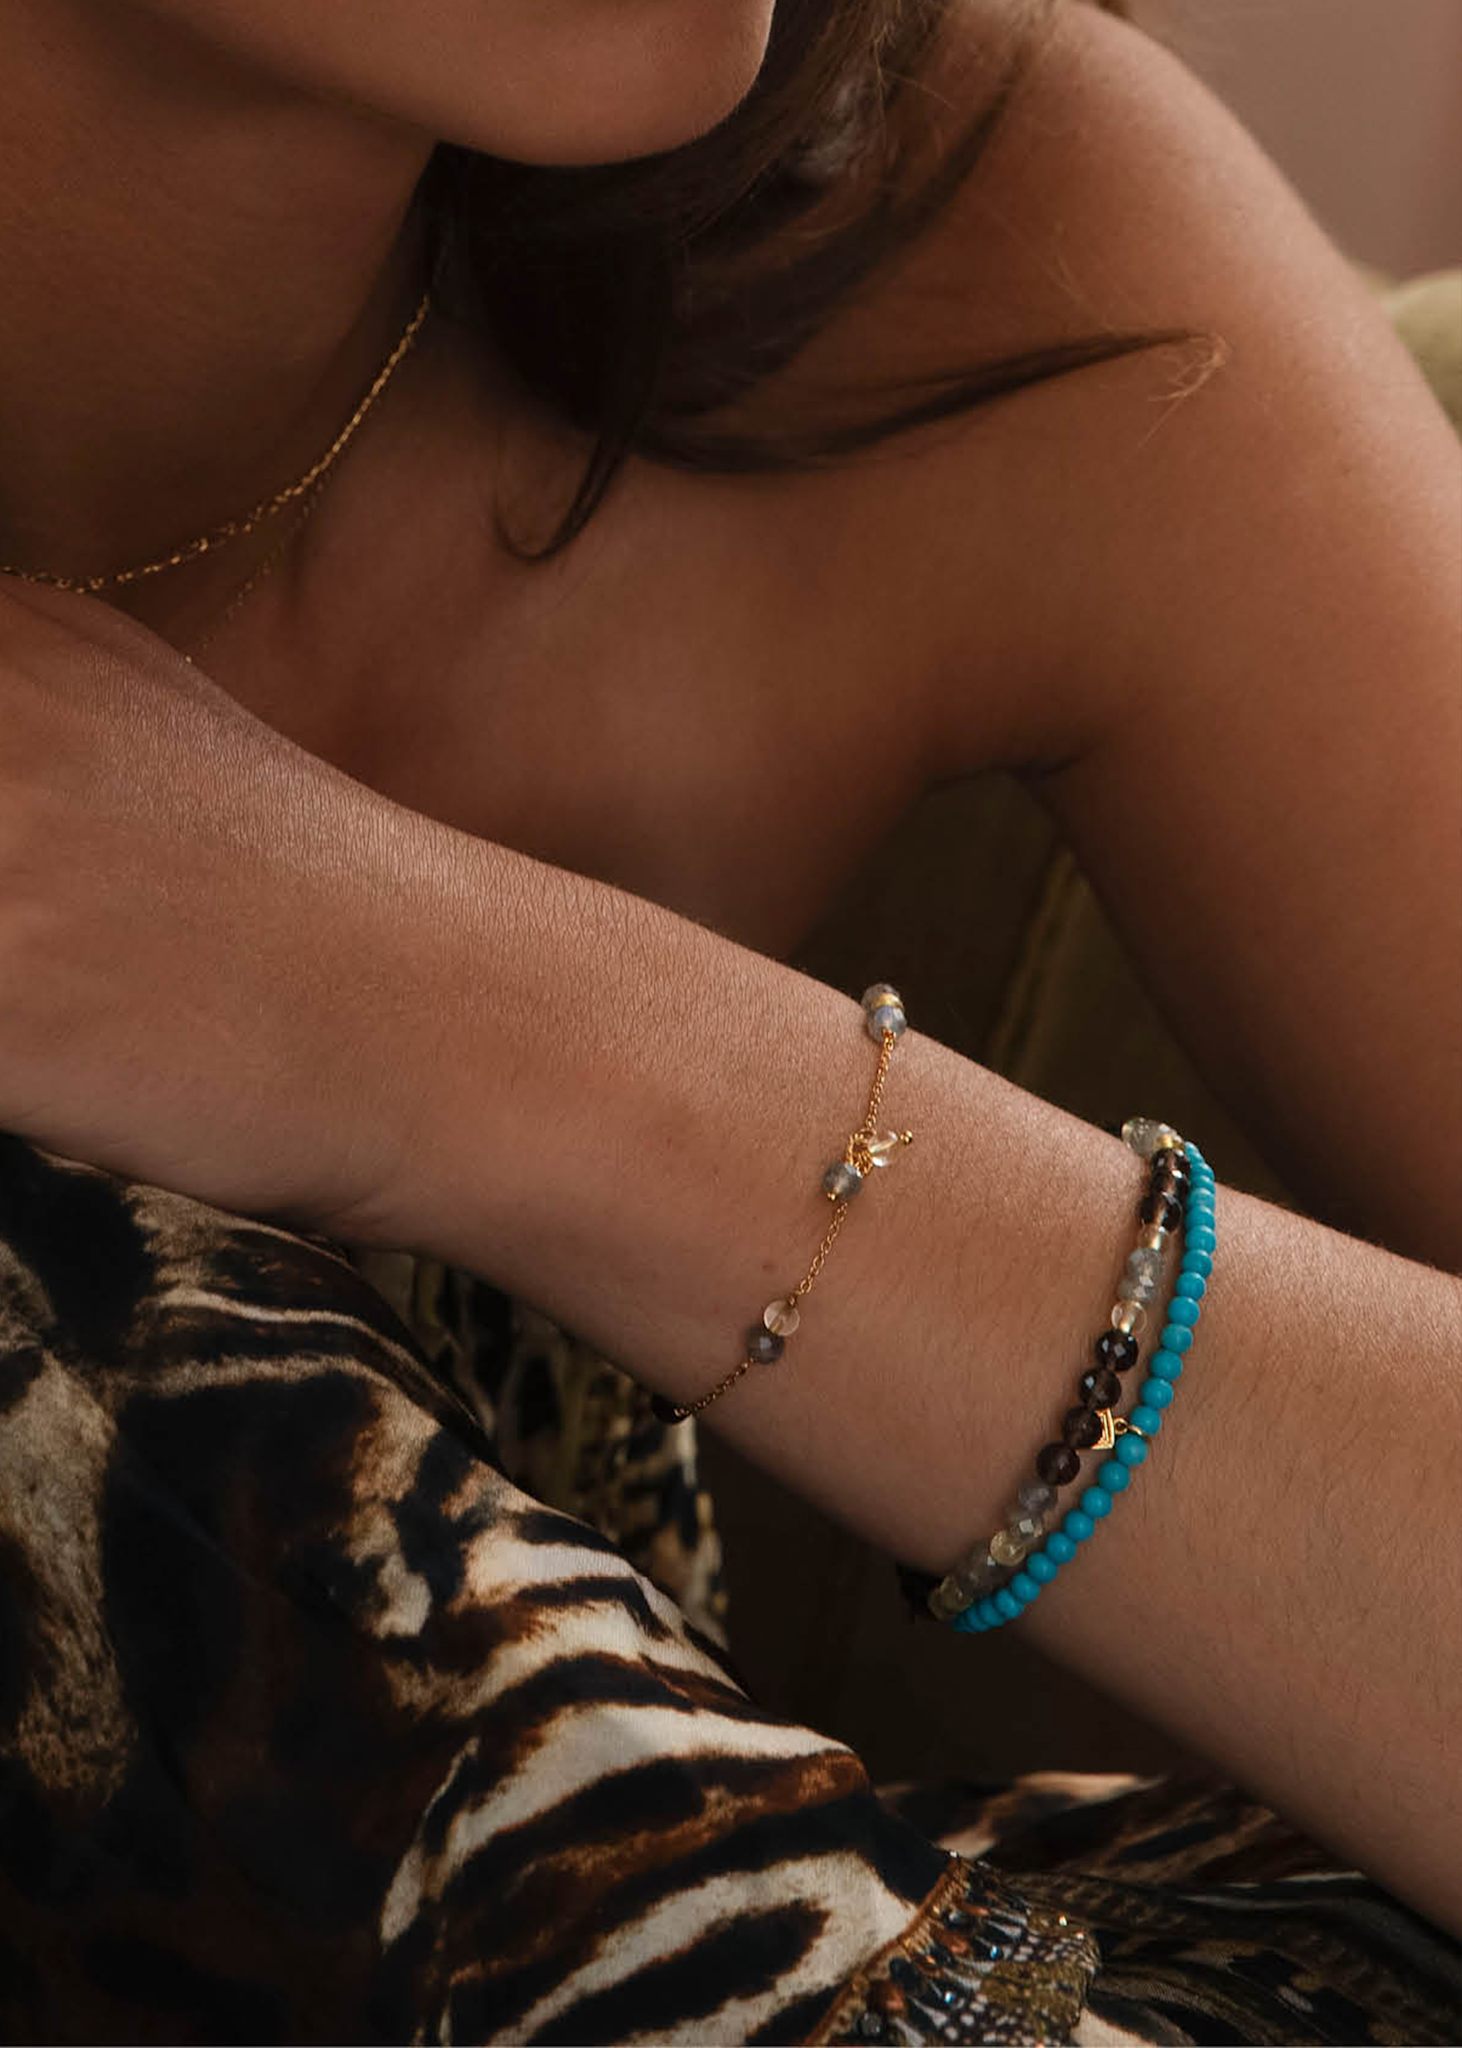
column 199, row 275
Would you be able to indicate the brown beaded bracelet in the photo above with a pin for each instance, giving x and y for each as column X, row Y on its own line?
column 1092, row 1424
column 866, row 1151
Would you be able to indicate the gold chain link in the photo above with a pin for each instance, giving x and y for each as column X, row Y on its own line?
column 267, row 508
column 855, row 1154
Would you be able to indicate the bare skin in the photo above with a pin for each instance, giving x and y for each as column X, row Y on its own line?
column 1219, row 634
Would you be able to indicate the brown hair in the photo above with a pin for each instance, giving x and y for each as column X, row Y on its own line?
column 631, row 298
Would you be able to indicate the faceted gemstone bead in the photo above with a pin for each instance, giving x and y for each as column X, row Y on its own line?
column 878, row 993
column 1172, row 1164
column 887, row 1017
column 1160, row 1208
column 1129, row 1317
column 1138, row 1288
column 1080, row 1427
column 841, row 1181
column 1152, row 1237
column 1031, row 1527
column 763, row 1345
column 1142, row 1134
column 782, row 1317
column 1116, row 1349
column 1057, row 1464
column 1100, row 1387
column 882, row 1148
column 1034, row 1497
column 1144, row 1264
column 1008, row 1547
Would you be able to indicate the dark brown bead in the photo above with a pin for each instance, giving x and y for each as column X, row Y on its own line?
column 1057, row 1464
column 663, row 1410
column 1080, row 1427
column 1171, row 1165
column 1160, row 1208
column 1100, row 1387
column 1117, row 1349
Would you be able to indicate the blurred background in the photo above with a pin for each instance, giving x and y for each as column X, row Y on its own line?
column 1358, row 101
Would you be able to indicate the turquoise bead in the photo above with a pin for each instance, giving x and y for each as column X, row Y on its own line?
column 1197, row 1262
column 1165, row 1365
column 1176, row 1337
column 986, row 1610
column 1059, row 1549
column 1113, row 1477
column 1184, row 1311
column 1130, row 1450
column 1077, row 1525
column 1201, row 1240
column 1156, row 1393
column 966, row 1622
column 1096, row 1502
column 1006, row 1605
column 1024, row 1587
column 1190, row 1287
column 1040, row 1567
column 1148, row 1420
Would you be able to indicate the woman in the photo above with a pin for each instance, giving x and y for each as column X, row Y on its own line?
column 543, row 714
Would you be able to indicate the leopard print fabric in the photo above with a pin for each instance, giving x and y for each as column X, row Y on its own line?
column 315, row 1727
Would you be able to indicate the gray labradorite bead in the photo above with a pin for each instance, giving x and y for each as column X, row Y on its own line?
column 842, row 1181
column 879, row 992
column 1035, row 1497
column 887, row 1017
column 1144, row 1265
column 765, row 1346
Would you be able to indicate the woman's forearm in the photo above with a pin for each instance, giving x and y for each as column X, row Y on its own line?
column 624, row 1118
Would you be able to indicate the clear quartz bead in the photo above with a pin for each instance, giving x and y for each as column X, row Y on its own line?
column 781, row 1316
column 1144, row 1134
column 1008, row 1546
column 1130, row 1317
column 882, row 1148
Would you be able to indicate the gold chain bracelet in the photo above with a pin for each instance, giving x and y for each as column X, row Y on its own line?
column 867, row 1150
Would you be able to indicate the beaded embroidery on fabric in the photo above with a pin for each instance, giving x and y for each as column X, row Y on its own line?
column 566, row 1425
column 979, row 1964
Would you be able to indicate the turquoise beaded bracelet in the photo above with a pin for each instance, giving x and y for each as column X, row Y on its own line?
column 1154, row 1398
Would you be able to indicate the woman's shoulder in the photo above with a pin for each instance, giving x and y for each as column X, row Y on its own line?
column 1117, row 196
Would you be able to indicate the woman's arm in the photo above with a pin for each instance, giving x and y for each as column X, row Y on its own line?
column 624, row 1118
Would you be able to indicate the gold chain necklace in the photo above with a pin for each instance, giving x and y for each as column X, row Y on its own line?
column 234, row 529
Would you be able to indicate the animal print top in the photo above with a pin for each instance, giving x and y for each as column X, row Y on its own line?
column 315, row 1727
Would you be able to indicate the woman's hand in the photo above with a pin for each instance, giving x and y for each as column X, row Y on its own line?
column 197, row 973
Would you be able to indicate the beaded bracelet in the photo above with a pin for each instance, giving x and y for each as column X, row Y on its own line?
column 1154, row 1397
column 1092, row 1423
column 867, row 1150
